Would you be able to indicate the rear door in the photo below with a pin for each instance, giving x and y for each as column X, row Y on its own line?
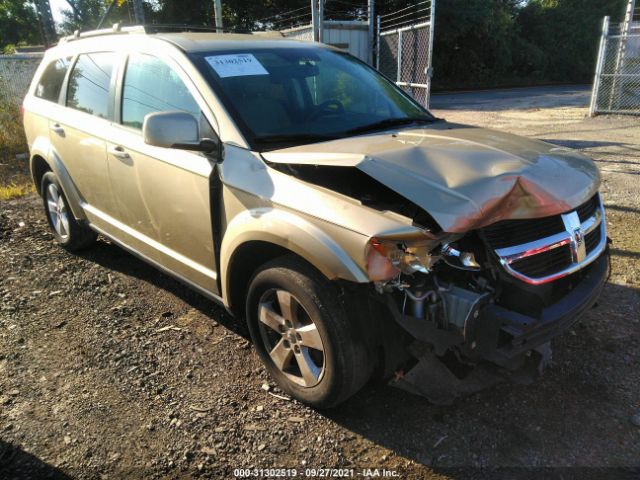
column 162, row 195
column 77, row 131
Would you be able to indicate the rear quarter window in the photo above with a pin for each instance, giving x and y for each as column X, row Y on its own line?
column 50, row 83
column 88, row 89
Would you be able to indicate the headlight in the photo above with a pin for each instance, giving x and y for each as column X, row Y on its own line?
column 386, row 259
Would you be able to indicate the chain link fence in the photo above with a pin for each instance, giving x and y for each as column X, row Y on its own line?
column 617, row 82
column 404, row 49
column 16, row 72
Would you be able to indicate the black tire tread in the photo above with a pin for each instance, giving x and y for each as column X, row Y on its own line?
column 81, row 236
column 354, row 365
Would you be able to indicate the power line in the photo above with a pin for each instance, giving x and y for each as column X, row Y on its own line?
column 404, row 9
column 404, row 16
column 262, row 20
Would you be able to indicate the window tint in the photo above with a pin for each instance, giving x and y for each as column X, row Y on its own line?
column 150, row 85
column 305, row 92
column 50, row 83
column 89, row 84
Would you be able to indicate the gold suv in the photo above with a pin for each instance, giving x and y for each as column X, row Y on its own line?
column 358, row 235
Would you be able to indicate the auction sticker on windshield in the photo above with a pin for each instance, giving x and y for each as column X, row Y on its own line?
column 237, row 65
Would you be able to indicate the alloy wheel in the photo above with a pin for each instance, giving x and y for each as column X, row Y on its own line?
column 291, row 337
column 57, row 210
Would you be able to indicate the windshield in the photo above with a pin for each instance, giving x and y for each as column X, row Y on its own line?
column 290, row 96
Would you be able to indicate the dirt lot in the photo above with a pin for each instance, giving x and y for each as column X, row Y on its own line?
column 109, row 369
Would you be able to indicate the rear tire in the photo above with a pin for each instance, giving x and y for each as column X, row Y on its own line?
column 68, row 233
column 302, row 334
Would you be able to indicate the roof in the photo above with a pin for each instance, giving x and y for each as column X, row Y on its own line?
column 194, row 41
column 206, row 41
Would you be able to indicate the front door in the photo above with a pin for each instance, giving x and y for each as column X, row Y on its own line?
column 162, row 195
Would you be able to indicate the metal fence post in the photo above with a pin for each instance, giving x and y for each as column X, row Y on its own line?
column 429, row 72
column 399, row 74
column 593, row 108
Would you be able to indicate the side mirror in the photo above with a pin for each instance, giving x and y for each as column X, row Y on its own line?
column 175, row 130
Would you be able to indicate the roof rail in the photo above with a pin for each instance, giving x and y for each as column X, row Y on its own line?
column 116, row 29
column 149, row 28
column 182, row 27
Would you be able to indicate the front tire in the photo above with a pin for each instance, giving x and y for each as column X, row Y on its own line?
column 302, row 334
column 66, row 230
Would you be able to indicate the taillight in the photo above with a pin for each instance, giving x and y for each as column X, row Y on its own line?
column 22, row 110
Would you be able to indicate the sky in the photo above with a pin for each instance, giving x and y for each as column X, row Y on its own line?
column 56, row 7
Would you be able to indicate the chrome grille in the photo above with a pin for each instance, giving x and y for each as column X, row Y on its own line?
column 542, row 250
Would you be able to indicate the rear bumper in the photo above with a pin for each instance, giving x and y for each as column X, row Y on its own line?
column 515, row 334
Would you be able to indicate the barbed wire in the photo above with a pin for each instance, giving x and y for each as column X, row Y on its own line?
column 405, row 9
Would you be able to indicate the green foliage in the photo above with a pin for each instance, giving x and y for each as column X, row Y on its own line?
column 18, row 23
column 86, row 15
column 486, row 43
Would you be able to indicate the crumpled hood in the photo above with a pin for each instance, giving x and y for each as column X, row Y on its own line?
column 465, row 177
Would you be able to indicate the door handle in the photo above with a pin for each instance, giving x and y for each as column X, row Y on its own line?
column 118, row 152
column 56, row 128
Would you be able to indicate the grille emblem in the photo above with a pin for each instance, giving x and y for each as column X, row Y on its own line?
column 577, row 245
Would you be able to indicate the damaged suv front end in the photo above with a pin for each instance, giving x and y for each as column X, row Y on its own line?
column 508, row 246
column 496, row 296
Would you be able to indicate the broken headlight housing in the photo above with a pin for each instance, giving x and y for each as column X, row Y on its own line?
column 387, row 259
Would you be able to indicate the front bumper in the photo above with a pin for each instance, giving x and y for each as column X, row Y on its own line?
column 514, row 334
column 503, row 344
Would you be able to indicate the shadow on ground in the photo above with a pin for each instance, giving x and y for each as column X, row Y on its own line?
column 541, row 424
column 112, row 257
column 17, row 464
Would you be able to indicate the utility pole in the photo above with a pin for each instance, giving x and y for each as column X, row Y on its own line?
column 371, row 17
column 314, row 19
column 138, row 11
column 47, row 25
column 217, row 6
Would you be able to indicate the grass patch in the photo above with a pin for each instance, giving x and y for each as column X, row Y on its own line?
column 14, row 172
column 7, row 192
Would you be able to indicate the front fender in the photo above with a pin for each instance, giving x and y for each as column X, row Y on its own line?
column 294, row 233
column 42, row 148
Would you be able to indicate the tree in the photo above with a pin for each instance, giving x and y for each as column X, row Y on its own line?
column 86, row 14
column 18, row 23
column 567, row 31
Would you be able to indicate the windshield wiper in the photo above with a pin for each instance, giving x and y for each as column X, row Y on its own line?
column 391, row 122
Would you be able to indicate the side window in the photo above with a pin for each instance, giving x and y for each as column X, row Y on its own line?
column 150, row 85
column 89, row 84
column 50, row 83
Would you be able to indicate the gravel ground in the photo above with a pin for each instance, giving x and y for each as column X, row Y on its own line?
column 109, row 369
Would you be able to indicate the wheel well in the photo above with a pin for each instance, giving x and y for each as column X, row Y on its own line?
column 246, row 260
column 39, row 167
